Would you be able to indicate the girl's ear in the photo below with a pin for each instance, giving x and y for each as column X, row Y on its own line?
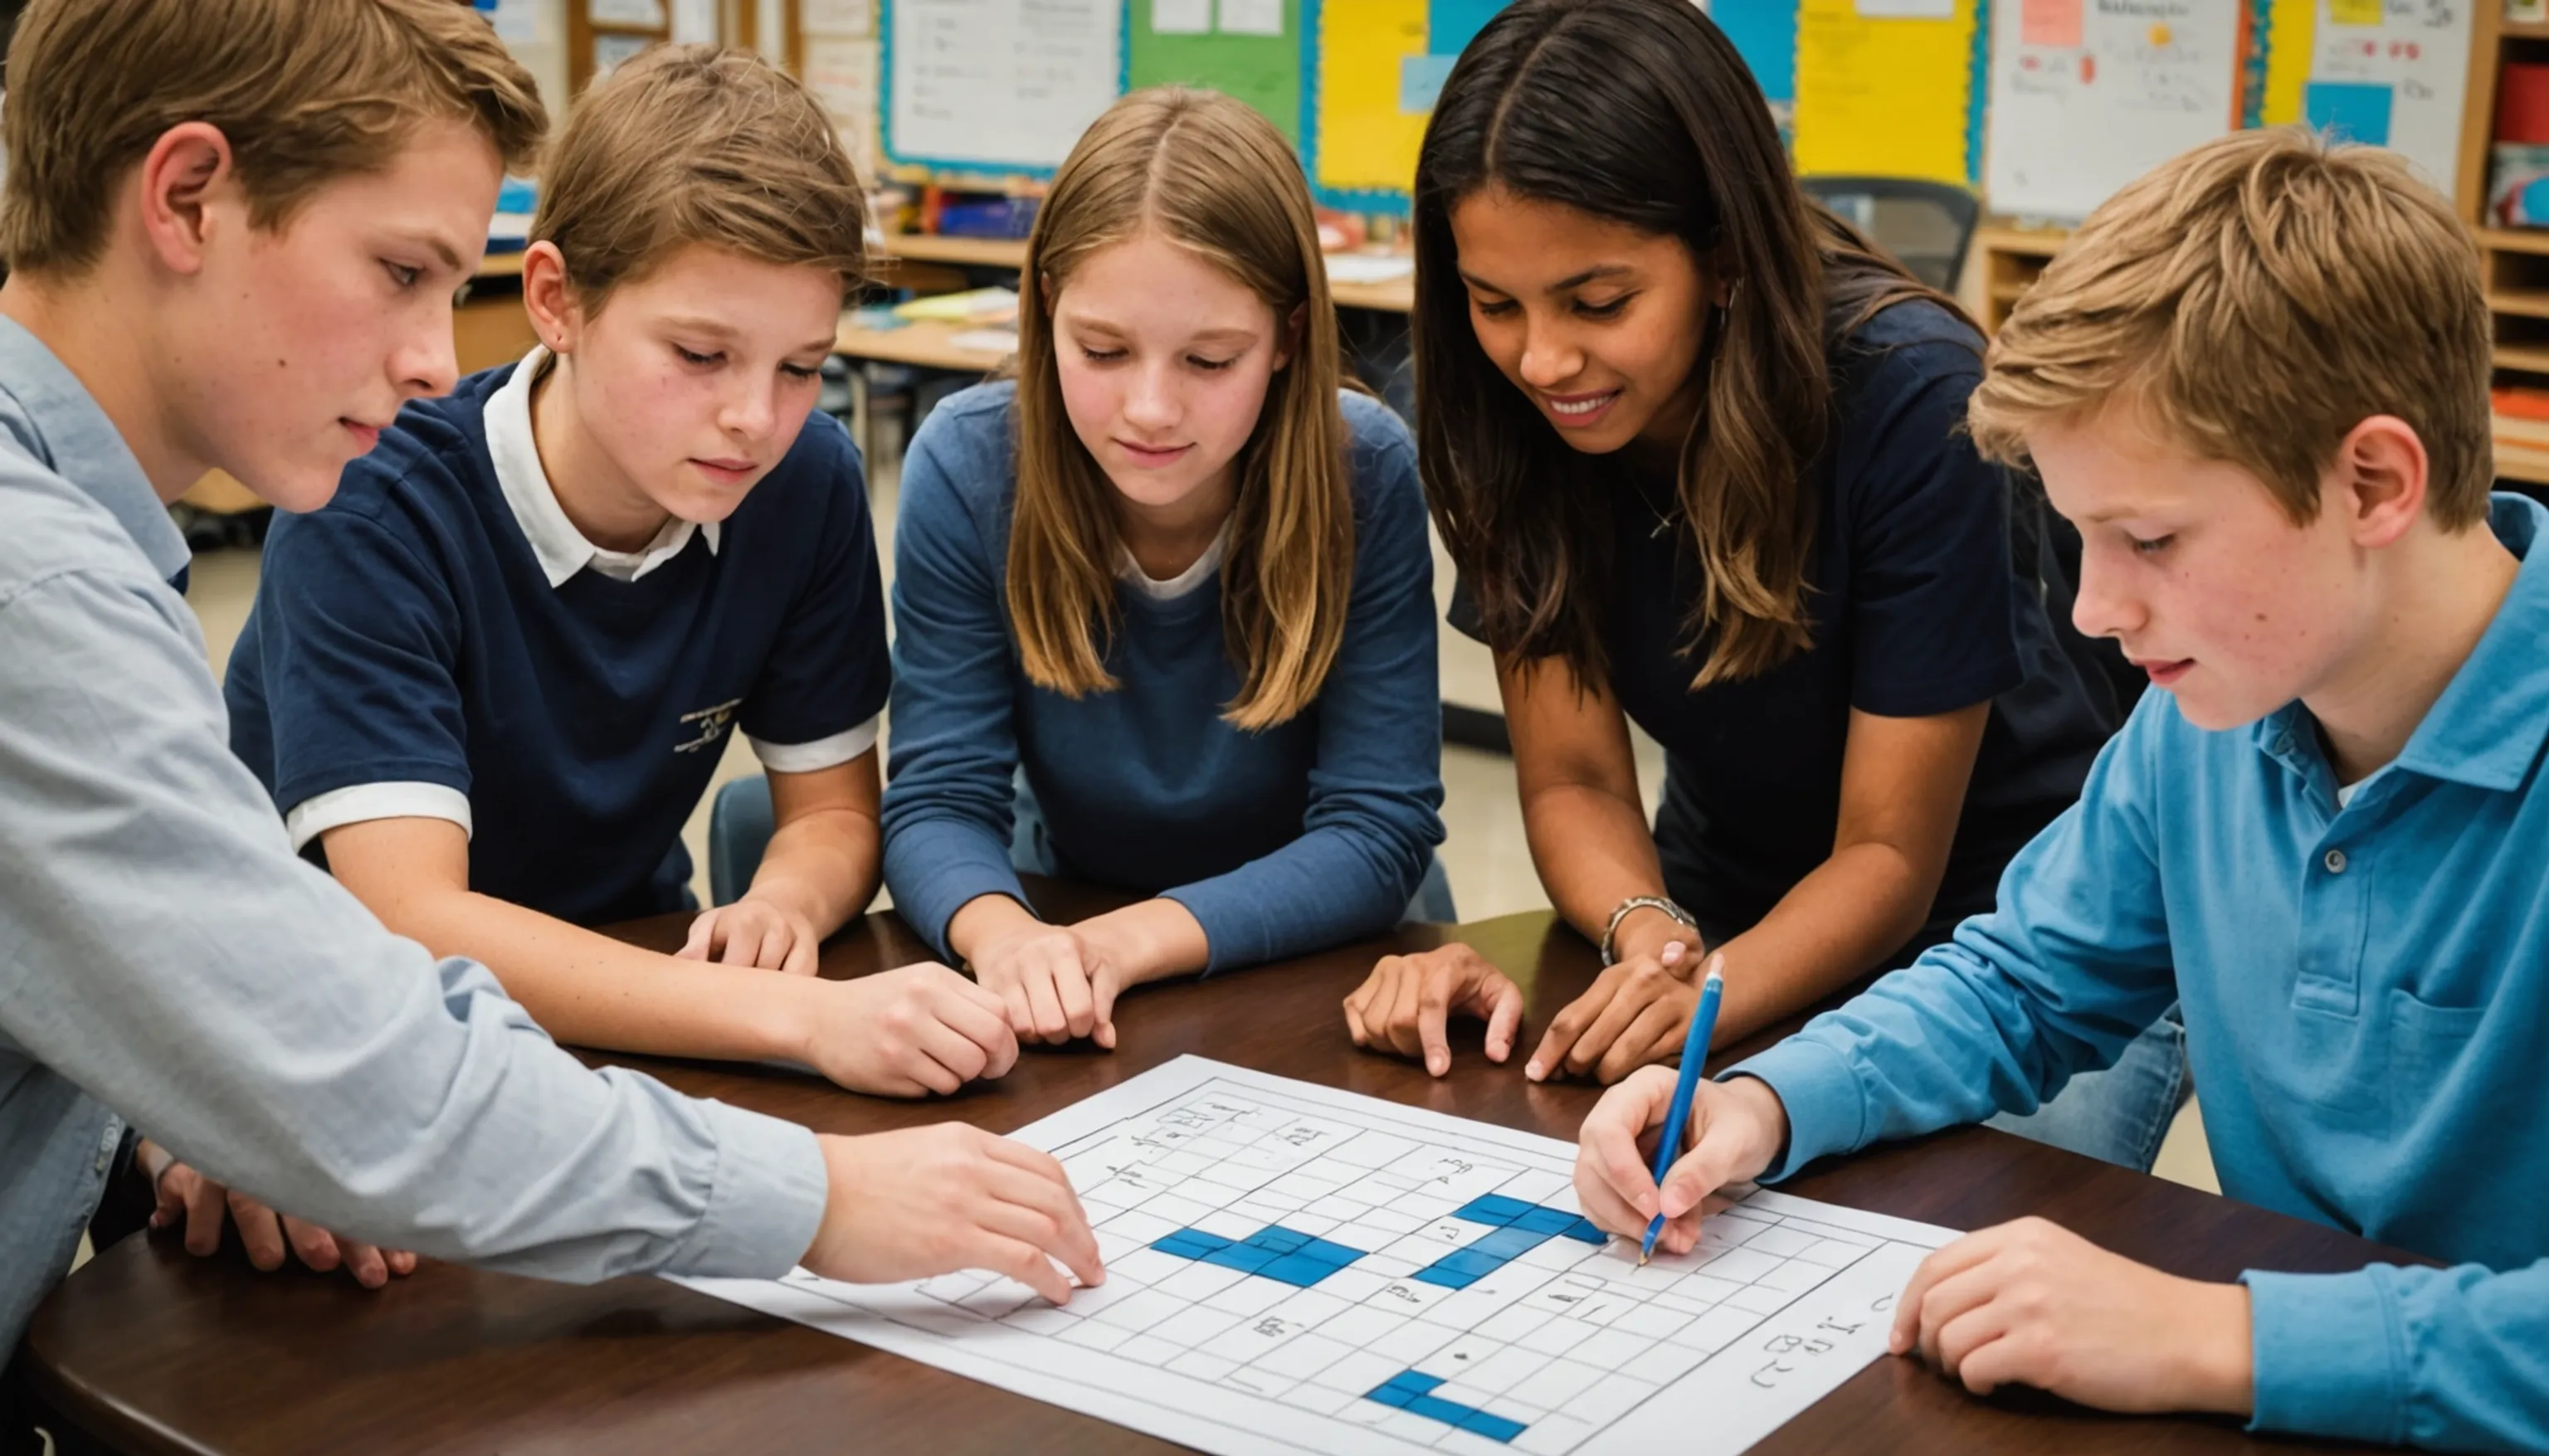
column 1293, row 331
column 1721, row 263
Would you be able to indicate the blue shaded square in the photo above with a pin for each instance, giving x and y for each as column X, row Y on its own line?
column 1190, row 1244
column 1334, row 1256
column 1280, row 1239
column 1390, row 1394
column 1451, row 25
column 2352, row 110
column 1495, row 1208
column 1545, row 1220
column 1447, row 1278
column 1492, row 1425
column 1297, row 1270
column 1583, row 1231
column 1242, row 1257
column 1508, row 1243
column 1414, row 1382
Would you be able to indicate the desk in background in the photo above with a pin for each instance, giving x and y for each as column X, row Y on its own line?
column 150, row 1350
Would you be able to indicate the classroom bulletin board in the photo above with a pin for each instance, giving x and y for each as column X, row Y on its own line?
column 2392, row 73
column 2044, row 105
column 1882, row 86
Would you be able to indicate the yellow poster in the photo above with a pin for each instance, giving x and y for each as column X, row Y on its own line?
column 1884, row 97
column 2291, row 47
column 1366, row 139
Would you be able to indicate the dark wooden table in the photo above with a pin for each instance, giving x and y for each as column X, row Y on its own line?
column 148, row 1350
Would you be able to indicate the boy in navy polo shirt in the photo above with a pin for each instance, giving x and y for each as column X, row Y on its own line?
column 2257, row 380
column 493, row 678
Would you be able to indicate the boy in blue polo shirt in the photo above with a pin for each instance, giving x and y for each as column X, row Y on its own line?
column 2257, row 380
column 494, row 678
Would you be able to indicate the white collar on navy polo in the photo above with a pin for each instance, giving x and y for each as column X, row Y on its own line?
column 561, row 548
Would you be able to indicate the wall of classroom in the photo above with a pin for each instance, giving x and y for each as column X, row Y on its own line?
column 2043, row 104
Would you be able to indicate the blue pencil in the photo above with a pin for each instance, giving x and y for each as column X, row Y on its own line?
column 1694, row 1052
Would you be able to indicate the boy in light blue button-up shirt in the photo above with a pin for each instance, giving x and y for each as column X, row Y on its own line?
column 2257, row 381
column 234, row 229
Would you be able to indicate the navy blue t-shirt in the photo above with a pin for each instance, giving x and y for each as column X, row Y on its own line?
column 1915, row 610
column 408, row 633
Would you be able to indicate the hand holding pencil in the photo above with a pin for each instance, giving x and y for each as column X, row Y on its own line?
column 1732, row 1129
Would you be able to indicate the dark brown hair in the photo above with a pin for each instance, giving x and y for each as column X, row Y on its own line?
column 1640, row 113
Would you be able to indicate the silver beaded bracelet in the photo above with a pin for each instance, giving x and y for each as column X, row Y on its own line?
column 1610, row 931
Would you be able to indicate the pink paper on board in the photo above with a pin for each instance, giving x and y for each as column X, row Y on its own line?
column 2053, row 22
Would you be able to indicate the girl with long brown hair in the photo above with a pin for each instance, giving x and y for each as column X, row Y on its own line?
column 1173, row 582
column 1695, row 447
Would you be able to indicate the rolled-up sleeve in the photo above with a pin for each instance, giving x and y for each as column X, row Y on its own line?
column 164, row 948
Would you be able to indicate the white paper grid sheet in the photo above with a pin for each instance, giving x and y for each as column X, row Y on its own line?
column 1294, row 1270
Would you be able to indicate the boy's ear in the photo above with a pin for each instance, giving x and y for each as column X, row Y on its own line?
column 2381, row 479
column 181, row 178
column 549, row 299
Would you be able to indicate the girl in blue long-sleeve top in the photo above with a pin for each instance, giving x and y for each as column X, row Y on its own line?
column 1179, row 579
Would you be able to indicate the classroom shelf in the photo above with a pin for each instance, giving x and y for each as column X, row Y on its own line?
column 2529, row 358
column 2525, row 463
column 2525, row 302
column 964, row 252
column 2514, row 240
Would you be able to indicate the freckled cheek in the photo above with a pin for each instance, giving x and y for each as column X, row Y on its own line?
column 1228, row 411
column 1092, row 403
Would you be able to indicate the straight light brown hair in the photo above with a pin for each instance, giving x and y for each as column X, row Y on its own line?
column 1640, row 113
column 700, row 145
column 306, row 91
column 1213, row 177
column 2258, row 298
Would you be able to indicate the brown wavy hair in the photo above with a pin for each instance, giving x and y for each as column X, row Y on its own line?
column 1638, row 111
column 1215, row 178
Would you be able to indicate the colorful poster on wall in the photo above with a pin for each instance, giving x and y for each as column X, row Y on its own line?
column 1889, row 93
column 2085, row 98
column 2385, row 73
column 1254, row 55
column 1367, row 134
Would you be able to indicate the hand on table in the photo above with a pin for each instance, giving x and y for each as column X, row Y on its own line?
column 201, row 1204
column 1056, row 983
column 932, row 1200
column 906, row 1032
column 1735, row 1131
column 1404, row 1005
column 754, row 933
column 1636, row 1011
column 2031, row 1302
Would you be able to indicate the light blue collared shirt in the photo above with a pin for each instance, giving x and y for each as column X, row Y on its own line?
column 163, row 954
column 2367, row 1013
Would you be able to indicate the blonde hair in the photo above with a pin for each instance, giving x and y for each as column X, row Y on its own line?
column 304, row 91
column 699, row 144
column 1212, row 176
column 2263, row 295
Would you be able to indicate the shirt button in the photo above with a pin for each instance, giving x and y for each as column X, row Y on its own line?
column 2336, row 861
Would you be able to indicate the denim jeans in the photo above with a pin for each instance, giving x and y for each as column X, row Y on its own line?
column 2123, row 1113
